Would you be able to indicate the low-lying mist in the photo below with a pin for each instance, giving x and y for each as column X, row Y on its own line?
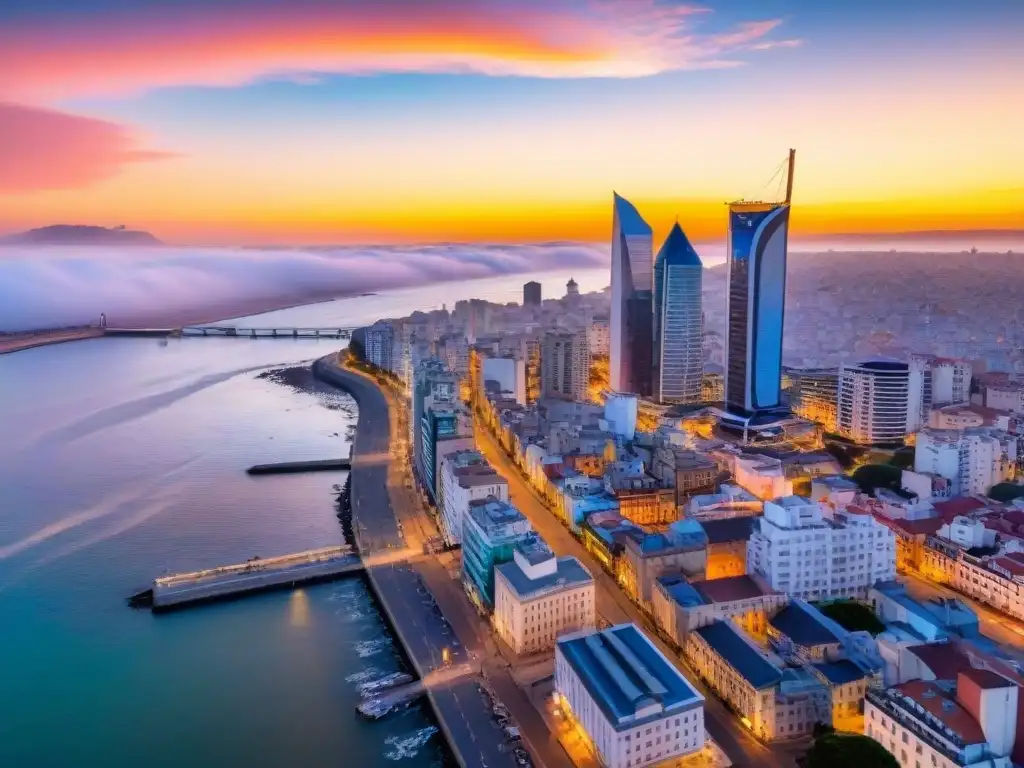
column 58, row 286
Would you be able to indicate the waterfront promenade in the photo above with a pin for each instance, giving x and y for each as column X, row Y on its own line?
column 429, row 640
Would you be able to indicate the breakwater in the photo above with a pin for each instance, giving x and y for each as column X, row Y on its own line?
column 290, row 467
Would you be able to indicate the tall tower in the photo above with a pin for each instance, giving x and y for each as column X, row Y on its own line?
column 678, row 347
column 632, row 301
column 758, row 236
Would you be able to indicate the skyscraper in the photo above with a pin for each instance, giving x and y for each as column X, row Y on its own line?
column 678, row 346
column 632, row 330
column 531, row 294
column 758, row 234
column 565, row 364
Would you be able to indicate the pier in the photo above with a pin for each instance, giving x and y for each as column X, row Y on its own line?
column 255, row 575
column 288, row 467
column 267, row 333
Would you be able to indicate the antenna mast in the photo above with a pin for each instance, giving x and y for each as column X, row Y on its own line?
column 789, row 176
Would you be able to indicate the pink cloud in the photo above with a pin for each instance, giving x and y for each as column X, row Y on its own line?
column 219, row 45
column 45, row 149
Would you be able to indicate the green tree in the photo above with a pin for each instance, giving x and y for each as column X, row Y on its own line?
column 841, row 750
column 903, row 458
column 1006, row 491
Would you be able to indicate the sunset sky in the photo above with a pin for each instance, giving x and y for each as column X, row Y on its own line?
column 337, row 121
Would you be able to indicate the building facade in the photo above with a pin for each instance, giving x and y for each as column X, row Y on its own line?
column 634, row 706
column 565, row 365
column 380, row 345
column 678, row 342
column 632, row 304
column 795, row 548
column 973, row 460
column 874, row 399
column 531, row 294
column 538, row 597
column 814, row 395
column 490, row 532
column 466, row 477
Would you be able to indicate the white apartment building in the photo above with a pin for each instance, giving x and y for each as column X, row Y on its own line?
column 1005, row 397
column 973, row 460
column 465, row 477
column 932, row 724
column 599, row 337
column 874, row 401
column 813, row 552
column 636, row 708
column 538, row 597
column 951, row 382
column 380, row 343
column 565, row 365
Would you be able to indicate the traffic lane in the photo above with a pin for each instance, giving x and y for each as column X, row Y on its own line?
column 612, row 603
column 468, row 715
column 541, row 741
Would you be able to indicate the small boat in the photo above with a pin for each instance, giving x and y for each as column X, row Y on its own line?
column 383, row 683
column 373, row 708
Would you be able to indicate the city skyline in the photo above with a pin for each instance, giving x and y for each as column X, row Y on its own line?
column 245, row 122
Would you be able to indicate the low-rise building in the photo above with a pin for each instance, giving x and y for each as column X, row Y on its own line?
column 973, row 460
column 730, row 501
column 635, row 708
column 538, row 597
column 763, row 476
column 998, row 581
column 682, row 549
column 727, row 546
column 490, row 532
column 802, row 632
column 641, row 498
column 680, row 606
column 972, row 722
column 932, row 620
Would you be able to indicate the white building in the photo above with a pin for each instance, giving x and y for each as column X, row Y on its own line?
column 763, row 476
column 967, row 533
column 1005, row 397
column 538, row 597
column 599, row 337
column 509, row 374
column 620, row 411
column 635, row 707
column 934, row 724
column 814, row 552
column 465, row 477
column 951, row 382
column 565, row 365
column 973, row 460
column 380, row 343
column 874, row 401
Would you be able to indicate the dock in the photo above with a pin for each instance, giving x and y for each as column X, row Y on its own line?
column 254, row 575
column 288, row 467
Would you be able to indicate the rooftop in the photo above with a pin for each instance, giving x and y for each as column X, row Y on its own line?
column 534, row 550
column 729, row 589
column 728, row 529
column 803, row 625
column 837, row 482
column 493, row 515
column 961, row 505
column 945, row 660
column 986, row 679
column 628, row 678
column 728, row 642
column 841, row 672
column 677, row 249
column 569, row 574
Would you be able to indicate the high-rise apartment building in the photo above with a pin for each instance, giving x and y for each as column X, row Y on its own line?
column 565, row 365
column 531, row 294
column 874, row 400
column 678, row 342
column 757, row 250
column 632, row 311
column 379, row 345
column 599, row 336
column 814, row 395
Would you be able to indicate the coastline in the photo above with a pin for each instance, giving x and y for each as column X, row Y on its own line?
column 18, row 342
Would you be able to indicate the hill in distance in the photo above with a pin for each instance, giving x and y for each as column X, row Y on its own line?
column 77, row 234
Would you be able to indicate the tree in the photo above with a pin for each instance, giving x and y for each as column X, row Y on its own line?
column 1005, row 492
column 903, row 458
column 841, row 750
column 872, row 476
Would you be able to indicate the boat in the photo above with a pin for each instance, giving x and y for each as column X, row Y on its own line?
column 373, row 708
column 383, row 683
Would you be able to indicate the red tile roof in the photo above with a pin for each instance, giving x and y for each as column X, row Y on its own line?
column 1013, row 567
column 945, row 660
column 937, row 702
column 958, row 506
column 986, row 679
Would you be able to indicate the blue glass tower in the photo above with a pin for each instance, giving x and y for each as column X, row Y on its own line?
column 757, row 250
column 678, row 346
column 632, row 310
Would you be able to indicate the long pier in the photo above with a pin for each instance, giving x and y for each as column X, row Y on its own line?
column 255, row 575
column 234, row 331
column 288, row 467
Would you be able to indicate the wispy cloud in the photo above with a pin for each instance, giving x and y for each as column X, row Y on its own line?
column 49, row 287
column 222, row 43
column 47, row 149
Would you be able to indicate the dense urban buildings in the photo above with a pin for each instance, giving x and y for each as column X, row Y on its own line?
column 635, row 706
column 466, row 477
column 531, row 294
column 632, row 305
column 756, row 306
column 678, row 344
column 379, row 344
column 973, row 460
column 491, row 529
column 874, row 398
column 814, row 395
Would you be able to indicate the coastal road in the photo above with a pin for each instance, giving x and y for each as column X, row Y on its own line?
column 615, row 607
column 462, row 706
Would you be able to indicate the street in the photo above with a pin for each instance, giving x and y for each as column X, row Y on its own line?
column 615, row 607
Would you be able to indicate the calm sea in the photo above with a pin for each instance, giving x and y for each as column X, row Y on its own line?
column 121, row 459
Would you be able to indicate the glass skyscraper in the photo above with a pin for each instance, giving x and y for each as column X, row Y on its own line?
column 678, row 347
column 632, row 332
column 758, row 234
